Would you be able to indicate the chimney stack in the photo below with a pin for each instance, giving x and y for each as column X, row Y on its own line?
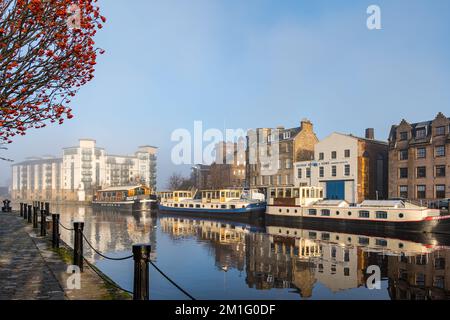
column 306, row 125
column 370, row 133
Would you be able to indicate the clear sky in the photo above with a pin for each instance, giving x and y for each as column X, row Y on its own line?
column 253, row 63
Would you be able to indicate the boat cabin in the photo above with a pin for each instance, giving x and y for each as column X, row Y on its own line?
column 220, row 196
column 292, row 196
column 123, row 193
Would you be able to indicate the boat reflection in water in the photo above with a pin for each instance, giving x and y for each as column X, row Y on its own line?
column 300, row 260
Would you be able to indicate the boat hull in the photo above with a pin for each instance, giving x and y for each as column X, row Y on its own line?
column 126, row 205
column 437, row 225
column 254, row 212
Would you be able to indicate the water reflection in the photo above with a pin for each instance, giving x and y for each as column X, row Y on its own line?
column 224, row 260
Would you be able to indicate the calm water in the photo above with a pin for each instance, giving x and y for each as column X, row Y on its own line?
column 223, row 260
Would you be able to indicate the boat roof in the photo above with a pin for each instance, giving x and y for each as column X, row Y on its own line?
column 332, row 203
column 384, row 203
column 122, row 188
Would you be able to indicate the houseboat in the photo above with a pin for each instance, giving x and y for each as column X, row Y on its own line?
column 230, row 204
column 306, row 207
column 128, row 198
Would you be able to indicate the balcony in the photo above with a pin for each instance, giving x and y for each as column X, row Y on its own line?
column 86, row 165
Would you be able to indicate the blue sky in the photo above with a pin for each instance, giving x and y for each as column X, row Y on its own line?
column 253, row 63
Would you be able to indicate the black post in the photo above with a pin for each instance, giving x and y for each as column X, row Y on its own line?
column 21, row 209
column 55, row 231
column 35, row 218
column 141, row 255
column 78, row 245
column 47, row 208
column 25, row 213
column 30, row 214
column 43, row 223
column 41, row 205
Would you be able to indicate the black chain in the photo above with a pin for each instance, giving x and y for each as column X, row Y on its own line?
column 65, row 227
column 102, row 255
column 171, row 281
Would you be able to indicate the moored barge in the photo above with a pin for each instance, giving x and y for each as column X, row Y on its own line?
column 233, row 204
column 306, row 207
column 125, row 198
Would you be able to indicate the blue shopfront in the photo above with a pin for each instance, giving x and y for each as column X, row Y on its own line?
column 335, row 190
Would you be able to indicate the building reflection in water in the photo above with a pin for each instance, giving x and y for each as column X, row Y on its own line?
column 105, row 230
column 297, row 259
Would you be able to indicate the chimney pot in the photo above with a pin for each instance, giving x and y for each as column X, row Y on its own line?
column 370, row 133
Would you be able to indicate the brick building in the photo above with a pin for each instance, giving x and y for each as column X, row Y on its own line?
column 271, row 154
column 419, row 162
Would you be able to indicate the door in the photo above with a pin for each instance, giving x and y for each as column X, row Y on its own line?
column 336, row 190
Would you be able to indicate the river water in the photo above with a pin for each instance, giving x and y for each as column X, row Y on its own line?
column 224, row 260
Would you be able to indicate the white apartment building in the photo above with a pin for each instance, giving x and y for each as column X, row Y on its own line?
column 80, row 171
column 347, row 167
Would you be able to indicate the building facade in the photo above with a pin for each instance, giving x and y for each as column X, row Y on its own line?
column 419, row 162
column 271, row 154
column 347, row 167
column 82, row 170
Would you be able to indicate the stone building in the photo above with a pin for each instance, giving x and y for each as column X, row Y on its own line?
column 347, row 167
column 80, row 171
column 271, row 154
column 228, row 171
column 419, row 161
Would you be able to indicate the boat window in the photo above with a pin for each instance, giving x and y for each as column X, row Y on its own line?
column 325, row 213
column 364, row 214
column 381, row 242
column 288, row 193
column 312, row 212
column 307, row 193
column 313, row 235
column 182, row 205
column 303, row 193
column 325, row 236
column 272, row 193
column 197, row 206
column 223, row 206
column 233, row 206
column 364, row 240
column 382, row 215
column 401, row 215
column 222, row 194
column 191, row 206
column 296, row 193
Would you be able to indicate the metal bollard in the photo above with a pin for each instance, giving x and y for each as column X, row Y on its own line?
column 43, row 223
column 21, row 209
column 35, row 218
column 47, row 208
column 78, row 245
column 141, row 256
column 25, row 213
column 55, row 231
column 29, row 215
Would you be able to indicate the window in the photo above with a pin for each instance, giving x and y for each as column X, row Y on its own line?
column 440, row 151
column 279, row 180
column 299, row 173
column 321, row 172
column 421, row 133
column 403, row 136
column 364, row 240
column 364, row 214
column 334, row 171
column 439, row 282
column 403, row 192
column 403, row 155
column 440, row 131
column 439, row 263
column 347, row 170
column 421, row 153
column 403, row 173
column 440, row 171
column 325, row 213
column 321, row 156
column 440, row 191
column 287, row 135
column 347, row 153
column 325, row 236
column 333, row 155
column 420, row 279
column 421, row 172
column 381, row 242
column 381, row 215
column 312, row 212
column 308, row 172
column 288, row 163
column 421, row 192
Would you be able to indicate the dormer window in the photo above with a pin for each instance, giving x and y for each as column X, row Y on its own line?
column 421, row 133
column 287, row 135
column 403, row 136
